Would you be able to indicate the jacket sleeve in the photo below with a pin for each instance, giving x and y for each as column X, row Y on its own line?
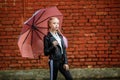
column 47, row 48
column 65, row 56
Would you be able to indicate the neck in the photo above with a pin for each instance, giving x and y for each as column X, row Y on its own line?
column 53, row 31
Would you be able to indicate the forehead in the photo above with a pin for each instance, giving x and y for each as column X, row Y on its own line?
column 54, row 19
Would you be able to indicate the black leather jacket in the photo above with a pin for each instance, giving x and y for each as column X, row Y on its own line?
column 54, row 53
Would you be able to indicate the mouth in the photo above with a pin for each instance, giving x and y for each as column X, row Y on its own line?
column 56, row 28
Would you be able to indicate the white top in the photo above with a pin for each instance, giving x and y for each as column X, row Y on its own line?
column 56, row 36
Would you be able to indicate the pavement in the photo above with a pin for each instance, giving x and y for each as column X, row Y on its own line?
column 77, row 73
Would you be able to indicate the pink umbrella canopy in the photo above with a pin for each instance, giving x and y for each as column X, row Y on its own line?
column 30, row 42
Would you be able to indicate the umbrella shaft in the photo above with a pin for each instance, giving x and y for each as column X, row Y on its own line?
column 34, row 27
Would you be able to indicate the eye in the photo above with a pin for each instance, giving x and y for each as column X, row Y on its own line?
column 54, row 23
column 57, row 23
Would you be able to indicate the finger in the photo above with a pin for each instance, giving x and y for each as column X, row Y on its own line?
column 64, row 67
column 67, row 68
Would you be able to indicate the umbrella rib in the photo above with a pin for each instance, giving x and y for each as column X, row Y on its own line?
column 40, row 32
column 40, row 16
column 38, row 35
column 28, row 24
column 46, row 19
column 26, row 37
column 42, row 27
column 31, row 37
column 33, row 20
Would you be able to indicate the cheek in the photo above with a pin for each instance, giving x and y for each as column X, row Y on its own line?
column 50, row 25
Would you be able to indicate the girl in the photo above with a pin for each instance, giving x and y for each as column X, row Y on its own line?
column 54, row 47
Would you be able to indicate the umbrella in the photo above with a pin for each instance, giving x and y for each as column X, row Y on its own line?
column 30, row 42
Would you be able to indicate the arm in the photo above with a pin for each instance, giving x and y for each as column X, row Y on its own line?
column 65, row 66
column 47, row 48
column 65, row 56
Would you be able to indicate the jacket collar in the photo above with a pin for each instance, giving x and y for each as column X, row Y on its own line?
column 50, row 35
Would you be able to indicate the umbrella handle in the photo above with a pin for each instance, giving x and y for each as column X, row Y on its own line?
column 64, row 39
column 60, row 32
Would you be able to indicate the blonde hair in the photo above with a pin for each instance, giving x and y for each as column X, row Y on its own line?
column 51, row 18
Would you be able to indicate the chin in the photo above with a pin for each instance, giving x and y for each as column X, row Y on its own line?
column 56, row 29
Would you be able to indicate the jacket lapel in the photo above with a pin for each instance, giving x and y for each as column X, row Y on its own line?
column 62, row 42
column 51, row 37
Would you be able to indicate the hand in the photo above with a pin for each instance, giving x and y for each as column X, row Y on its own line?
column 66, row 66
column 55, row 43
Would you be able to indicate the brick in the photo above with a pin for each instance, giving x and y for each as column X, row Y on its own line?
column 114, row 56
column 102, row 55
column 102, row 48
column 94, row 20
column 114, row 63
column 101, row 41
column 91, row 48
column 7, row 22
column 82, row 60
column 82, row 20
column 90, row 34
column 92, row 56
column 76, row 63
column 114, row 60
column 90, row 63
column 101, row 13
column 15, row 65
column 101, row 59
column 89, row 59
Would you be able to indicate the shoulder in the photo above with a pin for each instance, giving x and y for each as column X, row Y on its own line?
column 47, row 36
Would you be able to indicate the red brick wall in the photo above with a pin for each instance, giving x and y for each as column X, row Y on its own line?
column 91, row 26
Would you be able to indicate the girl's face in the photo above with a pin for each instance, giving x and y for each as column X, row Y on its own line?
column 54, row 24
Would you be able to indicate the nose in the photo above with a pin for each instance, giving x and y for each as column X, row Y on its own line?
column 57, row 26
